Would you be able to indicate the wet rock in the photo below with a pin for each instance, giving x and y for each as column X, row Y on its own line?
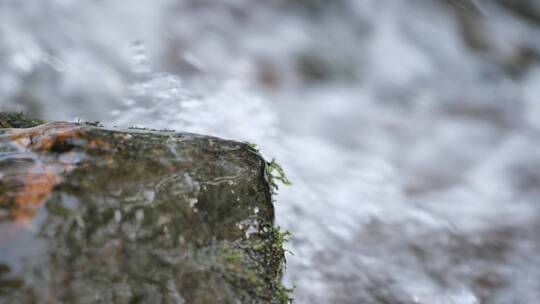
column 96, row 215
column 527, row 9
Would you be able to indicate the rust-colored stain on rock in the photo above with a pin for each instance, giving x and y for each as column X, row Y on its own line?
column 38, row 157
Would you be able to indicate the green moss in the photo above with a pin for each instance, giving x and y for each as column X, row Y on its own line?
column 90, row 123
column 274, row 171
column 274, row 256
column 139, row 128
column 253, row 146
column 18, row 120
column 284, row 294
column 276, row 174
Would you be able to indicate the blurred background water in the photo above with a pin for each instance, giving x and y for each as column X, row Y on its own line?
column 410, row 128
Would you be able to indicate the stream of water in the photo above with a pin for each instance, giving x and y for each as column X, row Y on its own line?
column 409, row 128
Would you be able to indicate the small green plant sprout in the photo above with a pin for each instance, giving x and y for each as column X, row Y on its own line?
column 282, row 238
column 275, row 174
column 253, row 146
column 284, row 294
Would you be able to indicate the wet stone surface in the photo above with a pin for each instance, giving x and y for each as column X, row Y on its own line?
column 96, row 215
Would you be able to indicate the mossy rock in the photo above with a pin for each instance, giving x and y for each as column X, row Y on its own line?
column 96, row 215
column 17, row 120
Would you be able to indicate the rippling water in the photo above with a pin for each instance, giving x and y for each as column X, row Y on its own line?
column 409, row 128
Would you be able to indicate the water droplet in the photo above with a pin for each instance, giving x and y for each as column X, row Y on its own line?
column 139, row 215
column 149, row 195
column 80, row 221
column 192, row 202
column 117, row 216
column 163, row 219
column 250, row 231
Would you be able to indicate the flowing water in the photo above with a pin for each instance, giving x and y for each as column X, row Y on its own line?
column 409, row 128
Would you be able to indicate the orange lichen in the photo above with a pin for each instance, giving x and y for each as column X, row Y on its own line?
column 49, row 148
column 36, row 188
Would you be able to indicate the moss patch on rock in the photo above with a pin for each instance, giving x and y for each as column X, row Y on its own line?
column 17, row 120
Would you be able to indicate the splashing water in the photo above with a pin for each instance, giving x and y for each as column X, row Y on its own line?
column 162, row 101
column 412, row 144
